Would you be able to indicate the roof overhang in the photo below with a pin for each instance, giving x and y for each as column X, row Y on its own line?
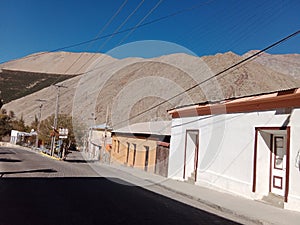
column 273, row 101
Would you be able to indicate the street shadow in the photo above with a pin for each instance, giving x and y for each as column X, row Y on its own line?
column 89, row 201
column 28, row 171
column 79, row 161
column 7, row 153
column 10, row 160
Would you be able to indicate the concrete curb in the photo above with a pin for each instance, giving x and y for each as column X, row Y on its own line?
column 213, row 205
column 51, row 157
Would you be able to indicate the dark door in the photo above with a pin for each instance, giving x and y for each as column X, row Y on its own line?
column 162, row 160
column 146, row 158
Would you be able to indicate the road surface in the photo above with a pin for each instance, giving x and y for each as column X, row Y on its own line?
column 35, row 189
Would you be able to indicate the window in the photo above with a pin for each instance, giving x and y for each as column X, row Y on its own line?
column 278, row 152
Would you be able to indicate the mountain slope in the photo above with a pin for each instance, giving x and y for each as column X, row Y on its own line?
column 288, row 64
column 129, row 87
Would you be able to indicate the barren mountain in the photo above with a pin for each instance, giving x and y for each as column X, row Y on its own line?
column 288, row 64
column 129, row 89
column 67, row 63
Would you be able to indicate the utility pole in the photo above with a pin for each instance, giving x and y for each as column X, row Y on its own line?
column 1, row 101
column 58, row 86
column 105, row 136
column 90, row 145
column 39, row 122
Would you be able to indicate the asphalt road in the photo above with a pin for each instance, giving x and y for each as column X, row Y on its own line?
column 38, row 190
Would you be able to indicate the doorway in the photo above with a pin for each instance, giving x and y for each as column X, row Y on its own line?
column 271, row 159
column 191, row 154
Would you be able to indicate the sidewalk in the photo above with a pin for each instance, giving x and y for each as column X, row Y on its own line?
column 249, row 210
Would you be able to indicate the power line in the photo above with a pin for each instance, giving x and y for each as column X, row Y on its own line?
column 141, row 21
column 123, row 23
column 113, row 17
column 100, row 32
column 147, row 15
column 243, row 61
column 120, row 32
column 118, row 28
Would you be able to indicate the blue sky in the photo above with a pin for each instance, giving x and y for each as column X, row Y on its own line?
column 217, row 26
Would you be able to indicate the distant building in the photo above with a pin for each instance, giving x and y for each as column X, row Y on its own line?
column 99, row 142
column 143, row 145
column 248, row 146
column 21, row 138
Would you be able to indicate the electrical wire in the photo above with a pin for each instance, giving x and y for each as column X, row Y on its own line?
column 141, row 21
column 119, row 32
column 107, row 40
column 101, row 31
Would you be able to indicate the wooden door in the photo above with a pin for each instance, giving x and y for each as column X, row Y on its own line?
column 162, row 160
column 278, row 165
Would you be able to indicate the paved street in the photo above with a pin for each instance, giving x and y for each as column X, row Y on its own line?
column 35, row 189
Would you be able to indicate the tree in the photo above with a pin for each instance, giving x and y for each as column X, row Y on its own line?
column 46, row 126
column 5, row 125
column 3, row 111
column 9, row 122
column 34, row 124
column 18, row 124
column 12, row 115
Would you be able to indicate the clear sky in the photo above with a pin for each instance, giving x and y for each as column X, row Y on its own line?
column 216, row 26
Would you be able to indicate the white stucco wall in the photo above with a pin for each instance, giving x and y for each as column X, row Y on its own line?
column 13, row 136
column 226, row 151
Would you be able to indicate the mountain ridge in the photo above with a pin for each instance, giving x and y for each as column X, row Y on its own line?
column 129, row 86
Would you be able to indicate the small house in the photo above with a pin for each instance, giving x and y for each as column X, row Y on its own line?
column 247, row 146
column 143, row 145
column 99, row 142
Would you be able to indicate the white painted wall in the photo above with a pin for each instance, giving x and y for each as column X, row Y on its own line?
column 13, row 136
column 226, row 151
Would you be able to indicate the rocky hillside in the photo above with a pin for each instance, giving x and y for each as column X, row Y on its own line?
column 34, row 72
column 126, row 88
column 288, row 64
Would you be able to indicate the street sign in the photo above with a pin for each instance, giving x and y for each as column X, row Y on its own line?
column 63, row 137
column 63, row 131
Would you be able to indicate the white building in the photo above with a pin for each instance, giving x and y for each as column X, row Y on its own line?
column 248, row 146
column 19, row 137
column 99, row 142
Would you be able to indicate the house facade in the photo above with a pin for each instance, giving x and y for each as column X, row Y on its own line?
column 99, row 143
column 248, row 146
column 143, row 145
column 21, row 138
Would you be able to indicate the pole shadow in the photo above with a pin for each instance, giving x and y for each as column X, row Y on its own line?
column 28, row 171
column 10, row 160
